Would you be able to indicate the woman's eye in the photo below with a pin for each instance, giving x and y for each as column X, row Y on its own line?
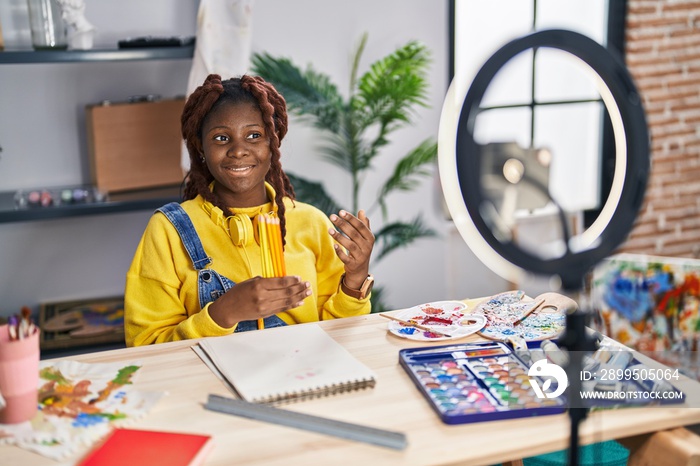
column 254, row 136
column 221, row 137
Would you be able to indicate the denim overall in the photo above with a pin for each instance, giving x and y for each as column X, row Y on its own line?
column 211, row 284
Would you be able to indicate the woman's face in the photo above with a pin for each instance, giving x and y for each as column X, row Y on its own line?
column 237, row 152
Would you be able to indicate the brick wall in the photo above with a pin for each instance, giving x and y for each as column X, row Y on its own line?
column 663, row 55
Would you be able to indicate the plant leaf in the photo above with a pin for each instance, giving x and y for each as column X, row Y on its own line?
column 377, row 300
column 339, row 149
column 356, row 62
column 409, row 169
column 390, row 89
column 379, row 102
column 399, row 234
column 313, row 193
column 308, row 93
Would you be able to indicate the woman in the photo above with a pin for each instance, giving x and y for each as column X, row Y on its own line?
column 196, row 271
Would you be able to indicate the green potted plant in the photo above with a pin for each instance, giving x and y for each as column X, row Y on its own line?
column 356, row 128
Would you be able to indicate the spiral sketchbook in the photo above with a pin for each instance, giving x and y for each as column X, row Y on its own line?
column 284, row 364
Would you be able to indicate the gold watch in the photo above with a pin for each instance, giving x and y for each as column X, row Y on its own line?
column 364, row 290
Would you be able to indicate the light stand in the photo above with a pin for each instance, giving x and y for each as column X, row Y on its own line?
column 461, row 164
column 576, row 341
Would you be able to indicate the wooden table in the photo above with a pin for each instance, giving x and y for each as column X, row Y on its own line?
column 393, row 404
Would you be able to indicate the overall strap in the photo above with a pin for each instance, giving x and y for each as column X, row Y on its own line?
column 182, row 223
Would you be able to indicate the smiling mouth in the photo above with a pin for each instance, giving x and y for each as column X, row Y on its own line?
column 239, row 169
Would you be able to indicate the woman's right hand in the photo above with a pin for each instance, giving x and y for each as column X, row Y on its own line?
column 257, row 298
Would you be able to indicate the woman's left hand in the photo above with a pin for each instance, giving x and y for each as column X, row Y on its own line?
column 354, row 245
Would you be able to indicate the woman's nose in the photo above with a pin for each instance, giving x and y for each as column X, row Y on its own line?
column 237, row 149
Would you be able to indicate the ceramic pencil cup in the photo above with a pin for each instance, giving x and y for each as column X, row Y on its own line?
column 19, row 376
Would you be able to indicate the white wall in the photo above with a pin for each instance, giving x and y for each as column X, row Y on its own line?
column 43, row 141
column 44, row 145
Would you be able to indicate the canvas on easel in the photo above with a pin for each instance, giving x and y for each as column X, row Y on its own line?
column 651, row 304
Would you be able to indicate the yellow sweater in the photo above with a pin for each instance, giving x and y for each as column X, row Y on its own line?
column 161, row 300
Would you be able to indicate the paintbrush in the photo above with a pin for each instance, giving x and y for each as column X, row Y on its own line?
column 530, row 311
column 489, row 337
column 418, row 326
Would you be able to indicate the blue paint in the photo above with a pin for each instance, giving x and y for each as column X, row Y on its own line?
column 87, row 420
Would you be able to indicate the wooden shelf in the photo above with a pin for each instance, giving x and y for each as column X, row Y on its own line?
column 104, row 55
column 117, row 203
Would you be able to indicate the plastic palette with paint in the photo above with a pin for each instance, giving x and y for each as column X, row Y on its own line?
column 475, row 382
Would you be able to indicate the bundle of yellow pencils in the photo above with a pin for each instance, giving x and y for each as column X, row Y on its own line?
column 271, row 252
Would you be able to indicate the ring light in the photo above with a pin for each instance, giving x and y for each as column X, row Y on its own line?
column 460, row 164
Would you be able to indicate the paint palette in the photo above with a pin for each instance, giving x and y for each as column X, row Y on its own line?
column 475, row 382
column 438, row 321
column 503, row 310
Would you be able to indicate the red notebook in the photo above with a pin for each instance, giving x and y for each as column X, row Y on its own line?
column 135, row 447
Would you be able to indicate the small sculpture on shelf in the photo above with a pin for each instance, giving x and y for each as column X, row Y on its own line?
column 80, row 30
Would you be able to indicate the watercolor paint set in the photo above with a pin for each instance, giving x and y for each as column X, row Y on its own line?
column 475, row 382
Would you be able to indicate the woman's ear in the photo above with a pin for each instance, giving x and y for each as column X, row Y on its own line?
column 198, row 150
column 198, row 155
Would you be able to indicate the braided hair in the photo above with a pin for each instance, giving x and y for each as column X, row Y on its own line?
column 209, row 96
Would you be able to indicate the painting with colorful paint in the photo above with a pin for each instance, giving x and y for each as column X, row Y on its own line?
column 514, row 314
column 78, row 404
column 68, row 324
column 651, row 304
column 437, row 321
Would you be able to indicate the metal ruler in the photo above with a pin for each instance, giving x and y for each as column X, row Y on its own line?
column 259, row 412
